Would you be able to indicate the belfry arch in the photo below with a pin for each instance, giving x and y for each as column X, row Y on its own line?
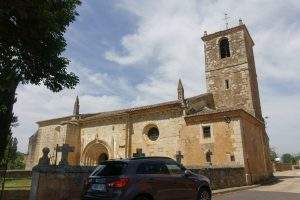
column 95, row 152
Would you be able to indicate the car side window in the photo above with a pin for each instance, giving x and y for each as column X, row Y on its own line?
column 174, row 168
column 152, row 168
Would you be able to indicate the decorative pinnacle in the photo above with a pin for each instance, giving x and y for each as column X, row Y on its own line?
column 180, row 86
column 76, row 106
column 180, row 91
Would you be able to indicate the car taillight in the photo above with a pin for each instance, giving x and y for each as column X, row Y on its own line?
column 119, row 183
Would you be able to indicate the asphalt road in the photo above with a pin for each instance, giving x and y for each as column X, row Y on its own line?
column 287, row 188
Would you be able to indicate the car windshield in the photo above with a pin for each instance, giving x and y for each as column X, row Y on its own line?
column 174, row 167
column 110, row 169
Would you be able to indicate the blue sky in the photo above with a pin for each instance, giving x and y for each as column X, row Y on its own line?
column 129, row 53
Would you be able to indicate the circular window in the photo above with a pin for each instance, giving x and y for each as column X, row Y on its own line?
column 153, row 133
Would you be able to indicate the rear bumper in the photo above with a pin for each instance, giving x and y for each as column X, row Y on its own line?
column 102, row 197
column 105, row 197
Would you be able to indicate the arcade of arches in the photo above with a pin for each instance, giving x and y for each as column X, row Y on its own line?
column 94, row 153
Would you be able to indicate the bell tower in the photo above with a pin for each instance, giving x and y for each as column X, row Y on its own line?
column 230, row 70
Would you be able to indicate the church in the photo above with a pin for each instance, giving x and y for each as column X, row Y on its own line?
column 221, row 128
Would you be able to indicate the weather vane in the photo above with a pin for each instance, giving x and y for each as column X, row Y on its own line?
column 226, row 20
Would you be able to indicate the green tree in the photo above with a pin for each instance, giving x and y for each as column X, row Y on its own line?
column 11, row 152
column 297, row 157
column 14, row 158
column 19, row 162
column 31, row 46
column 273, row 154
column 288, row 158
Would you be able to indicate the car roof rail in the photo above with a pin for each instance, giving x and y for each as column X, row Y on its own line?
column 151, row 157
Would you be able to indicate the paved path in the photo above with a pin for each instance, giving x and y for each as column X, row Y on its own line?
column 287, row 188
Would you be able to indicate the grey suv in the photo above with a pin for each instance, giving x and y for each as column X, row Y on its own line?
column 146, row 178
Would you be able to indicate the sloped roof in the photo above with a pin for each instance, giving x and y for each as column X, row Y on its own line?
column 128, row 110
column 153, row 106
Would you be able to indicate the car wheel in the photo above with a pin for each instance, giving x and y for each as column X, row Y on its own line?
column 142, row 197
column 204, row 194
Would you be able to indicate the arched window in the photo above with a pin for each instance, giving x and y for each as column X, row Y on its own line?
column 224, row 48
column 102, row 157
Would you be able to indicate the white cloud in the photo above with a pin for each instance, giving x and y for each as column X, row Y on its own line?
column 168, row 34
column 36, row 103
column 282, row 122
column 167, row 45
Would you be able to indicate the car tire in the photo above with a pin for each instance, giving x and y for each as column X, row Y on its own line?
column 204, row 194
column 142, row 197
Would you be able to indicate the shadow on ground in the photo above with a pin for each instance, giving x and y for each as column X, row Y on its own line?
column 286, row 177
column 258, row 195
column 272, row 181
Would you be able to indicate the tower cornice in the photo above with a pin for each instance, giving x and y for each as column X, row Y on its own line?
column 227, row 32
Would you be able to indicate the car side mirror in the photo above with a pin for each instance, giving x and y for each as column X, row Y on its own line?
column 187, row 173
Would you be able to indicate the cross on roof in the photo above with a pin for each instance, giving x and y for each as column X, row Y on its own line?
column 178, row 156
column 139, row 153
column 65, row 149
column 226, row 20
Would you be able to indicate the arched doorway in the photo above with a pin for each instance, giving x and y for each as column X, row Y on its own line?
column 94, row 153
column 102, row 157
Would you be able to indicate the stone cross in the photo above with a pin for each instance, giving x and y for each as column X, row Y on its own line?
column 139, row 153
column 65, row 149
column 178, row 156
column 226, row 20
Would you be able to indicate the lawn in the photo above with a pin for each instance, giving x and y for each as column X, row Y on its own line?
column 18, row 184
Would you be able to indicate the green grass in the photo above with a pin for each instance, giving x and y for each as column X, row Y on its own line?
column 18, row 184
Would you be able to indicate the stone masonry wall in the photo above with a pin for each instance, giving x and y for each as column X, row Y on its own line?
column 111, row 131
column 225, row 142
column 48, row 135
column 223, row 177
column 256, row 157
column 54, row 182
column 253, row 78
column 30, row 157
column 280, row 167
column 239, row 93
column 114, row 132
column 168, row 122
column 238, row 69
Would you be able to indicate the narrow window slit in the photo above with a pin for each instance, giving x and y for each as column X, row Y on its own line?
column 227, row 84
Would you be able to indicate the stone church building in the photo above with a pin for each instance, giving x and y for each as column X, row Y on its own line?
column 221, row 128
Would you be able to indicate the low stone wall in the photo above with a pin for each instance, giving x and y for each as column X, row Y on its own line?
column 296, row 167
column 58, row 182
column 16, row 173
column 66, row 182
column 280, row 167
column 223, row 177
